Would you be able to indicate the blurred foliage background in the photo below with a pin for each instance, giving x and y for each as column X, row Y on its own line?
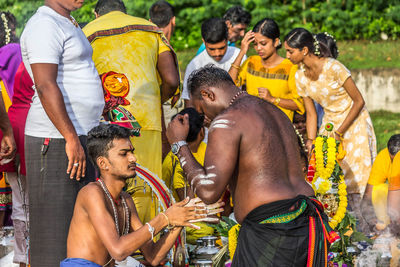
column 345, row 19
column 367, row 30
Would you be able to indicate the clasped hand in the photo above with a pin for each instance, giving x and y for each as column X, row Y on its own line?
column 186, row 212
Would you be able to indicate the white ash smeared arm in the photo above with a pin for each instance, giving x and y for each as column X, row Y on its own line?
column 209, row 182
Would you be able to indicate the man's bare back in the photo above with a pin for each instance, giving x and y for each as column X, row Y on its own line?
column 269, row 165
column 252, row 147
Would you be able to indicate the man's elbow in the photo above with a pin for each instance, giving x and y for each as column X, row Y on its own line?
column 208, row 197
column 118, row 254
column 172, row 82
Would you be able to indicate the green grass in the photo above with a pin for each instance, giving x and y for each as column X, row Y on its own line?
column 386, row 124
column 353, row 54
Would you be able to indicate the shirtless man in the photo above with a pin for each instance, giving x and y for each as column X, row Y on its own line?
column 95, row 238
column 252, row 148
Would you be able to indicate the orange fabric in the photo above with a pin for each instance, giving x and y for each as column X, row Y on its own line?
column 394, row 179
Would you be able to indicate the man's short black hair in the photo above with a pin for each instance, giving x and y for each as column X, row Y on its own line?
column 100, row 139
column 237, row 15
column 196, row 122
column 105, row 6
column 208, row 76
column 393, row 144
column 161, row 13
column 214, row 30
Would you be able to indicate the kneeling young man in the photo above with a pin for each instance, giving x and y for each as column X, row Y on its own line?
column 105, row 225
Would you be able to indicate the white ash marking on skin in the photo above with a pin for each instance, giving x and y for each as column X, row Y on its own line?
column 202, row 177
column 206, row 182
column 210, row 168
column 220, row 124
column 182, row 159
column 183, row 163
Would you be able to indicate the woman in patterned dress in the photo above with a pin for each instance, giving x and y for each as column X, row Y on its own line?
column 328, row 82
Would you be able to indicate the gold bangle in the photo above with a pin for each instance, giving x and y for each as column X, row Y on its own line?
column 235, row 66
column 339, row 133
column 277, row 100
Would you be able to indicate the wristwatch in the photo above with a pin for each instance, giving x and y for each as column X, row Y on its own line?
column 175, row 147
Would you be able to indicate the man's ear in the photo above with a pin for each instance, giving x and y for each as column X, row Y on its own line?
column 96, row 14
column 228, row 24
column 102, row 162
column 207, row 94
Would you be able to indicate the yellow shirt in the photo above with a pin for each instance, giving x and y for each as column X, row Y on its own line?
column 172, row 172
column 131, row 46
column 384, row 169
column 280, row 81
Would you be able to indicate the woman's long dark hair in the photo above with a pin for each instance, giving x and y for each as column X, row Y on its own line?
column 322, row 44
column 268, row 28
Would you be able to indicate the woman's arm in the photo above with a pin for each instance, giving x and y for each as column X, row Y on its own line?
column 358, row 104
column 311, row 122
column 235, row 67
column 264, row 93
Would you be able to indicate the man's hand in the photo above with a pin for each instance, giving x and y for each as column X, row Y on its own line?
column 178, row 129
column 265, row 94
column 8, row 148
column 247, row 40
column 211, row 210
column 76, row 159
column 180, row 214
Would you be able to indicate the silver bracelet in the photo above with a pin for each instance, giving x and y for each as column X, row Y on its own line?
column 151, row 230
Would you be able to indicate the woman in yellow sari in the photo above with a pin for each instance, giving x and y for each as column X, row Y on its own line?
column 267, row 75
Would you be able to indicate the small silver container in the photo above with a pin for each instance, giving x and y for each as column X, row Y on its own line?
column 203, row 263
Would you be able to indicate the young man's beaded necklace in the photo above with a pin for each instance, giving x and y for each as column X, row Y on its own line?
column 236, row 96
column 124, row 205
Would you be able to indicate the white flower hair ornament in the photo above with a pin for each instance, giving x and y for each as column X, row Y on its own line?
column 6, row 28
column 317, row 50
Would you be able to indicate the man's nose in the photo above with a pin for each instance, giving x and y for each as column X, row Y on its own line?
column 132, row 158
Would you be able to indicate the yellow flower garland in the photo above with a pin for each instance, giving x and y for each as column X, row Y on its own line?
column 233, row 234
column 341, row 211
column 323, row 172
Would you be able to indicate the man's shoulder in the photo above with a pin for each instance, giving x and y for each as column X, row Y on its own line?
column 116, row 20
column 92, row 189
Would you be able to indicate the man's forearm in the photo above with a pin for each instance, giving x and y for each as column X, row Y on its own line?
column 54, row 106
column 167, row 92
column 200, row 180
column 163, row 245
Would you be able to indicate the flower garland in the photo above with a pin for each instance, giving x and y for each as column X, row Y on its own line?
column 326, row 177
